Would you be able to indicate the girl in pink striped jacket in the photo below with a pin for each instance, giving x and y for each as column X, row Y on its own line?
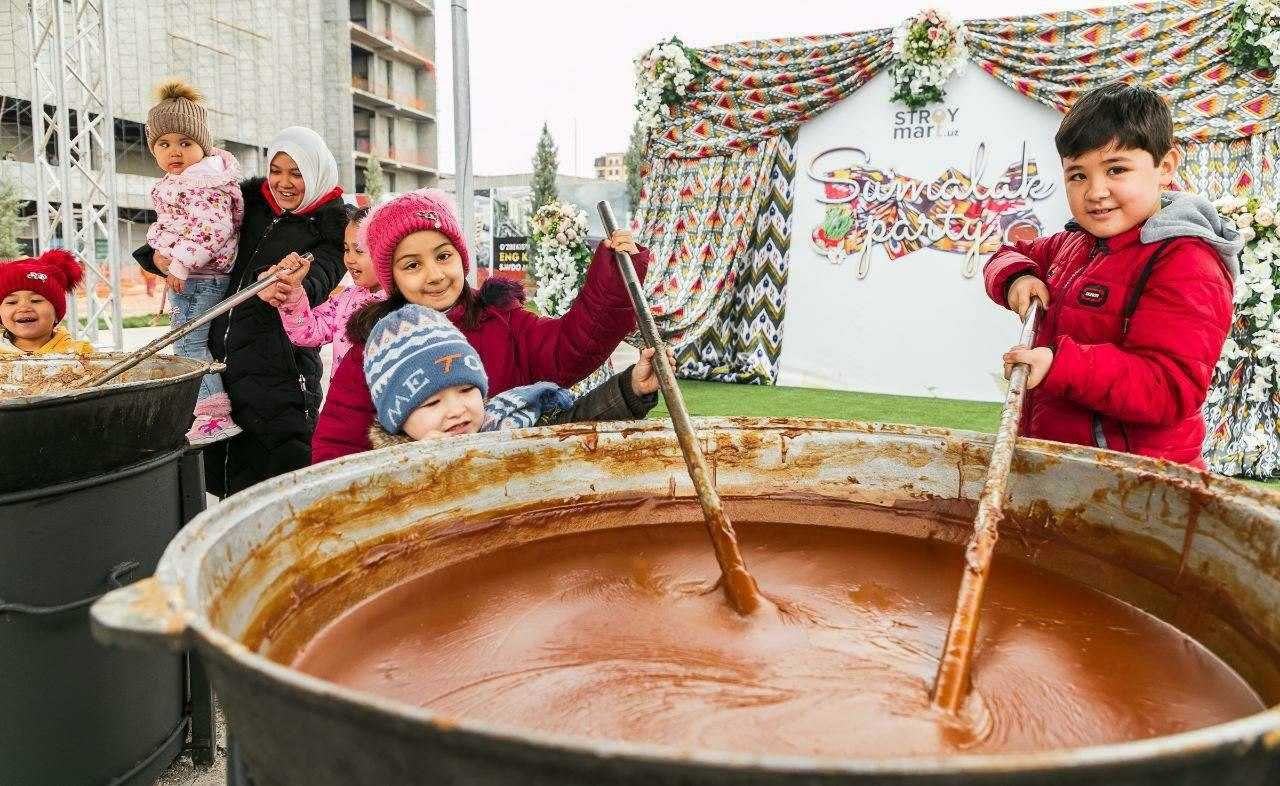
column 327, row 322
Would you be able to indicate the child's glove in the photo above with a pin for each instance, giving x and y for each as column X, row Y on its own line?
column 524, row 406
column 1039, row 359
column 1022, row 290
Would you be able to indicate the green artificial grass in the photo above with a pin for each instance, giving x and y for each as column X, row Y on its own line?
column 714, row 398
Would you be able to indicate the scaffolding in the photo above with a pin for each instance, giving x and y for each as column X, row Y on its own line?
column 74, row 154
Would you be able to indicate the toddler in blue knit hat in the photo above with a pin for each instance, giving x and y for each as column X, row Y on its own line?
column 427, row 381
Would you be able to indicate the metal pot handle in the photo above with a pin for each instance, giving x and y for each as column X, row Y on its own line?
column 144, row 615
column 113, row 578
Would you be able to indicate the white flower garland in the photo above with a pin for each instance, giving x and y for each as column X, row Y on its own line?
column 1255, row 297
column 1254, row 36
column 927, row 49
column 664, row 76
column 560, row 256
column 559, row 267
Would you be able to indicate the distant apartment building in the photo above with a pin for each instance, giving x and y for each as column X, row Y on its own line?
column 611, row 166
column 393, row 91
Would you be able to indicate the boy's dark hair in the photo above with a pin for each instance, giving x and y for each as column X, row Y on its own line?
column 1131, row 116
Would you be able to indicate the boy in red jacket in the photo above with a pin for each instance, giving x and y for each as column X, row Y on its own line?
column 1137, row 290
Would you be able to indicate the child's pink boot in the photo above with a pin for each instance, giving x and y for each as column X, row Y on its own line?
column 213, row 420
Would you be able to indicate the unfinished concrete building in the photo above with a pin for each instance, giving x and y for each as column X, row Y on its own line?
column 393, row 91
column 360, row 72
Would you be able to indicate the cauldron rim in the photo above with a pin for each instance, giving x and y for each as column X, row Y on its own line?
column 193, row 368
column 179, row 568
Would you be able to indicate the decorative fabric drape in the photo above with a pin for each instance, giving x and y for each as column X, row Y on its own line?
column 1244, row 434
column 715, row 206
column 717, row 229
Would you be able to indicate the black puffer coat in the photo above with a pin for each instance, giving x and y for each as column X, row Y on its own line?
column 274, row 386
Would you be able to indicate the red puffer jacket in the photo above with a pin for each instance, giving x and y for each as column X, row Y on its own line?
column 1136, row 384
column 516, row 346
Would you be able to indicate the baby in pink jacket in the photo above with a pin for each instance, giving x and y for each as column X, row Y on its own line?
column 199, row 208
column 327, row 322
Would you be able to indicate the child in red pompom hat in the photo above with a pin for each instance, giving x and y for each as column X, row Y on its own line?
column 33, row 300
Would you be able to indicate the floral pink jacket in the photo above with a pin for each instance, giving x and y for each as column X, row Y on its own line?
column 313, row 327
column 198, row 215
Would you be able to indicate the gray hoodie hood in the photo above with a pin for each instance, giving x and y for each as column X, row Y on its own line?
column 1191, row 215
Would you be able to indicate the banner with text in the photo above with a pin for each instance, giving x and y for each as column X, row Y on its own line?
column 896, row 210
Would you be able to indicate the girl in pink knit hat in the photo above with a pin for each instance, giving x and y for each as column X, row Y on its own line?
column 421, row 256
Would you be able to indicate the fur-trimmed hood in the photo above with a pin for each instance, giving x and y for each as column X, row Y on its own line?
column 380, row 438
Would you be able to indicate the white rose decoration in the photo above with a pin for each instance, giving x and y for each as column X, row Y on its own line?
column 1264, row 217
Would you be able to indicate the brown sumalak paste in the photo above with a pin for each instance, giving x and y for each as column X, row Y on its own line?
column 617, row 634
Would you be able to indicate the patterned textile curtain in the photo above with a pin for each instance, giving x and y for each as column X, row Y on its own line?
column 1243, row 433
column 715, row 207
column 761, row 89
column 1236, row 166
column 1177, row 48
column 718, row 228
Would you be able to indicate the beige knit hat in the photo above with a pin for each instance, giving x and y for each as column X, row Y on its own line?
column 179, row 112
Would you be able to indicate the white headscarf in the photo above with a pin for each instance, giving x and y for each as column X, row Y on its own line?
column 315, row 162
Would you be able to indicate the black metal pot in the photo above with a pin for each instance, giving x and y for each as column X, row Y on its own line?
column 62, row 437
column 71, row 710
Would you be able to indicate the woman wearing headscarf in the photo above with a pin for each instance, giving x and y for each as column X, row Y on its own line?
column 274, row 386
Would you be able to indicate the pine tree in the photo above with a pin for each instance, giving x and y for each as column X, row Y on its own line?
column 545, row 167
column 10, row 220
column 635, row 157
column 374, row 183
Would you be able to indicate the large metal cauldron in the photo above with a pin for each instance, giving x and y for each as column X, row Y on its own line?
column 1143, row 531
column 58, row 437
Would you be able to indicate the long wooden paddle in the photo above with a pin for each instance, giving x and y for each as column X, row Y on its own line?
column 952, row 682
column 738, row 585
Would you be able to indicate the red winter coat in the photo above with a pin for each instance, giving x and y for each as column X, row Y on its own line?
column 1138, row 391
column 516, row 346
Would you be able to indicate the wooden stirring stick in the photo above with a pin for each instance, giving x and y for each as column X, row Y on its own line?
column 952, row 682
column 739, row 587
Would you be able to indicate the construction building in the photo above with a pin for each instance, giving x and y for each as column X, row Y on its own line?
column 360, row 72
column 393, row 91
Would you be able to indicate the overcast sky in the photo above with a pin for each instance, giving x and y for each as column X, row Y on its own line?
column 569, row 63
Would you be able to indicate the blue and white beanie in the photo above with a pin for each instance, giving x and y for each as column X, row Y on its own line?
column 524, row 406
column 413, row 353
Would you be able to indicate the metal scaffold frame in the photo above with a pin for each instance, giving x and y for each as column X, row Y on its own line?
column 75, row 170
